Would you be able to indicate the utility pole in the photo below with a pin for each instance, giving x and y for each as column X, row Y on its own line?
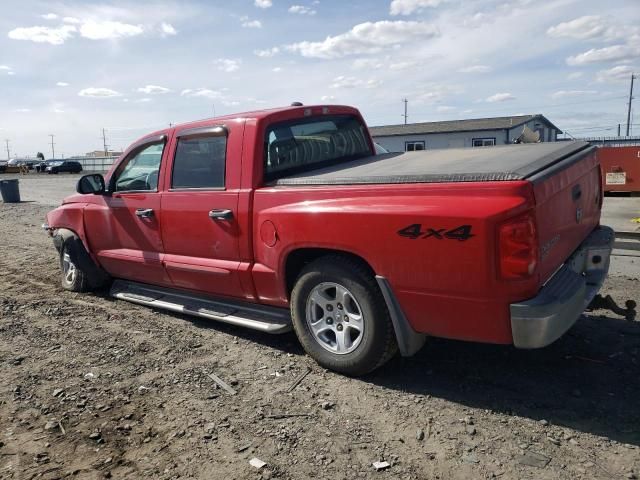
column 405, row 110
column 630, row 100
column 8, row 152
column 53, row 151
column 618, row 129
column 104, row 142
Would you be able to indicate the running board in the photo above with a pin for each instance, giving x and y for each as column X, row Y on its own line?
column 257, row 317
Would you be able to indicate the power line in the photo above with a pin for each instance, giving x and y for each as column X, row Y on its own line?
column 405, row 110
column 630, row 100
column 53, row 151
column 104, row 142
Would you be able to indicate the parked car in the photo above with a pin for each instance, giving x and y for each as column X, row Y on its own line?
column 3, row 166
column 41, row 167
column 59, row 166
column 285, row 218
column 18, row 162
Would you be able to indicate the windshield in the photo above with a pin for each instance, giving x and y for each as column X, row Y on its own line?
column 302, row 145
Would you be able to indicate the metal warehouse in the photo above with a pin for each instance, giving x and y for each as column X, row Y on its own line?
column 479, row 132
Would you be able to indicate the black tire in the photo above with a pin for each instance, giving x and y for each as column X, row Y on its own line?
column 377, row 344
column 73, row 277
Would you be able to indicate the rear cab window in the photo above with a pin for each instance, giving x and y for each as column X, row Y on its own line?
column 199, row 162
column 301, row 145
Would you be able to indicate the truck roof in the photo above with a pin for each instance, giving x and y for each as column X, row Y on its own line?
column 253, row 114
column 480, row 164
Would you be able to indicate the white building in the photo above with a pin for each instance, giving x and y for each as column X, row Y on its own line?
column 477, row 132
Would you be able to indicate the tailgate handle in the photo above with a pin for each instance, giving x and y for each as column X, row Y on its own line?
column 576, row 192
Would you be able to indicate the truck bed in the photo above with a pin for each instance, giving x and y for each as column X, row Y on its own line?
column 500, row 163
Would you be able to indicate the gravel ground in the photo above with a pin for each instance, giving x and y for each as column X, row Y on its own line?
column 92, row 387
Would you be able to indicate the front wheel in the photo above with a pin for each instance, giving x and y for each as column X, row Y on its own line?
column 73, row 277
column 340, row 317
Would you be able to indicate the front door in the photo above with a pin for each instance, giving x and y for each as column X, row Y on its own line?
column 200, row 228
column 124, row 228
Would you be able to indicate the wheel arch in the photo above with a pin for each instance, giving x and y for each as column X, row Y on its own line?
column 62, row 237
column 409, row 341
column 297, row 259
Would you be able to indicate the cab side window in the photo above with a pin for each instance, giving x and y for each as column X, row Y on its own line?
column 140, row 170
column 199, row 162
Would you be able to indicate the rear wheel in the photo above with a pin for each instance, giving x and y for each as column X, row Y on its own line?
column 340, row 317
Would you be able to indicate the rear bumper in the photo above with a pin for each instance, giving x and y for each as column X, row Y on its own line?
column 543, row 319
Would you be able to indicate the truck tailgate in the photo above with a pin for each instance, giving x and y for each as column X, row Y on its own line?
column 568, row 202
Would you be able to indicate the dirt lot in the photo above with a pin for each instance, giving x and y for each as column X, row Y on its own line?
column 91, row 387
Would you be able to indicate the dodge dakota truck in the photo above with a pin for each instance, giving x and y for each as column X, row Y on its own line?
column 286, row 218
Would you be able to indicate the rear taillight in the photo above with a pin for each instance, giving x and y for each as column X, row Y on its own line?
column 518, row 246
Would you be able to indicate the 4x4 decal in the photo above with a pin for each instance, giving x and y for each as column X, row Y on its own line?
column 413, row 231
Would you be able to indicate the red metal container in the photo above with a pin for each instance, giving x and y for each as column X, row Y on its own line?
column 620, row 168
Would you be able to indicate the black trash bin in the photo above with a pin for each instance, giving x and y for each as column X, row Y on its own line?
column 10, row 191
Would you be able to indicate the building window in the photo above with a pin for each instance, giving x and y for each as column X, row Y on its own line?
column 413, row 146
column 483, row 142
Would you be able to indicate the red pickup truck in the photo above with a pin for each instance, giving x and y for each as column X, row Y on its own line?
column 285, row 218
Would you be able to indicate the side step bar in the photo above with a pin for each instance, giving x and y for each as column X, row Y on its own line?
column 257, row 317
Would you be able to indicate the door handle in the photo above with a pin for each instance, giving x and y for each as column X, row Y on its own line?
column 220, row 214
column 144, row 212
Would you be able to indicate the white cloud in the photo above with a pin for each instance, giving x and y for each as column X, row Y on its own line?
column 23, row 110
column 475, row 69
column 594, row 27
column 5, row 67
column 445, row 109
column 607, row 54
column 62, row 84
column 153, row 89
column 301, row 10
column 276, row 69
column 102, row 30
column 269, row 52
column 500, row 97
column 246, row 23
column 618, row 74
column 327, row 98
column 571, row 93
column 54, row 36
column 352, row 82
column 201, row 92
column 582, row 28
column 407, row 7
column 49, row 16
column 263, row 3
column 228, row 64
column 98, row 92
column 11, row 73
column 73, row 20
column 367, row 63
column 366, row 38
column 574, row 75
column 167, row 29
column 144, row 100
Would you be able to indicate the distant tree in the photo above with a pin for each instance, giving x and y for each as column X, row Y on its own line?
column 40, row 156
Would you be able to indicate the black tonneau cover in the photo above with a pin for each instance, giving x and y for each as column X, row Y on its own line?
column 481, row 164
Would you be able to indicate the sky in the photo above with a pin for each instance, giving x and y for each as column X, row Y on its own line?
column 73, row 68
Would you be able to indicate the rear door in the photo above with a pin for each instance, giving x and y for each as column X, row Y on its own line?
column 200, row 227
column 123, row 228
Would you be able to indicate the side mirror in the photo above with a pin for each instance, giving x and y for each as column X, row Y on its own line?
column 91, row 184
